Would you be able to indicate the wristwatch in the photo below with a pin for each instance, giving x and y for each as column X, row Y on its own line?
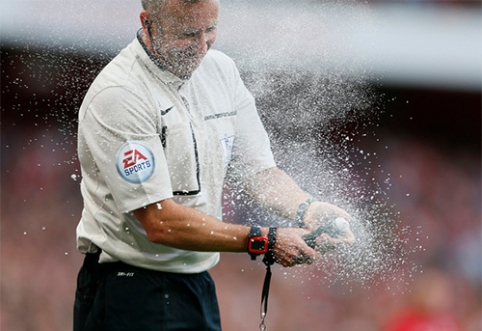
column 257, row 243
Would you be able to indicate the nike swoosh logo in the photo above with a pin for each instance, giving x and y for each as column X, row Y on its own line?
column 164, row 112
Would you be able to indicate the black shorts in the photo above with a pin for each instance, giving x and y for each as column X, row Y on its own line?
column 136, row 299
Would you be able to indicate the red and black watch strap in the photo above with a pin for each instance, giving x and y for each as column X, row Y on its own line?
column 257, row 243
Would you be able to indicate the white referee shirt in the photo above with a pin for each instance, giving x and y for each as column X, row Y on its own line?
column 145, row 135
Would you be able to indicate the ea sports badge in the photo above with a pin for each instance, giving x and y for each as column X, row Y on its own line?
column 135, row 162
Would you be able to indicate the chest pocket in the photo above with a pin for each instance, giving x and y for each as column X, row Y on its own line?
column 181, row 150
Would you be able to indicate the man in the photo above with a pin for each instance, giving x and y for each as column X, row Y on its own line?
column 159, row 130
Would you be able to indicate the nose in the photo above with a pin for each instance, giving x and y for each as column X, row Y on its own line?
column 204, row 42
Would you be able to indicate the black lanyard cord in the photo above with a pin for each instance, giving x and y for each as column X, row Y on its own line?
column 268, row 260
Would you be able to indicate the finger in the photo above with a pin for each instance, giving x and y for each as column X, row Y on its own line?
column 325, row 243
column 287, row 258
column 288, row 262
column 304, row 259
column 345, row 215
column 301, row 259
column 306, row 253
column 349, row 237
column 324, row 239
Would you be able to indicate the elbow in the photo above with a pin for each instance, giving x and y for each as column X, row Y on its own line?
column 158, row 235
column 154, row 236
column 157, row 222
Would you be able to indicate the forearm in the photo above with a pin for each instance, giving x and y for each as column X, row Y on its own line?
column 278, row 193
column 178, row 226
column 275, row 191
column 187, row 228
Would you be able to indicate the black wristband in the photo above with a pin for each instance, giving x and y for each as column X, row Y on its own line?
column 269, row 256
column 271, row 239
column 300, row 214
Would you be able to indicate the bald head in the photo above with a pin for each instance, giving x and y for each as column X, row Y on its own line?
column 154, row 5
column 150, row 4
column 179, row 33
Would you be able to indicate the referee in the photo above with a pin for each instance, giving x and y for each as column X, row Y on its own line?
column 160, row 128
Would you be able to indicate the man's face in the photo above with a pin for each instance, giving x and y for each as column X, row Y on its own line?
column 182, row 35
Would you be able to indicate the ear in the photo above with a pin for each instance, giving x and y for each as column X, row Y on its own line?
column 145, row 17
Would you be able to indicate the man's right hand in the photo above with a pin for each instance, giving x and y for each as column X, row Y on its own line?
column 290, row 248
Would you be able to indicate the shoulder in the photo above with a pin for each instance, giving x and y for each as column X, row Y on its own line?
column 122, row 78
column 108, row 92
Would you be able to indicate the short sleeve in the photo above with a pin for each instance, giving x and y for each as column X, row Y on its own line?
column 119, row 144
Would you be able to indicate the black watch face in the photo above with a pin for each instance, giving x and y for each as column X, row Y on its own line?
column 258, row 245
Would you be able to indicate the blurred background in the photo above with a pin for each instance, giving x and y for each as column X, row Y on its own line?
column 375, row 106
